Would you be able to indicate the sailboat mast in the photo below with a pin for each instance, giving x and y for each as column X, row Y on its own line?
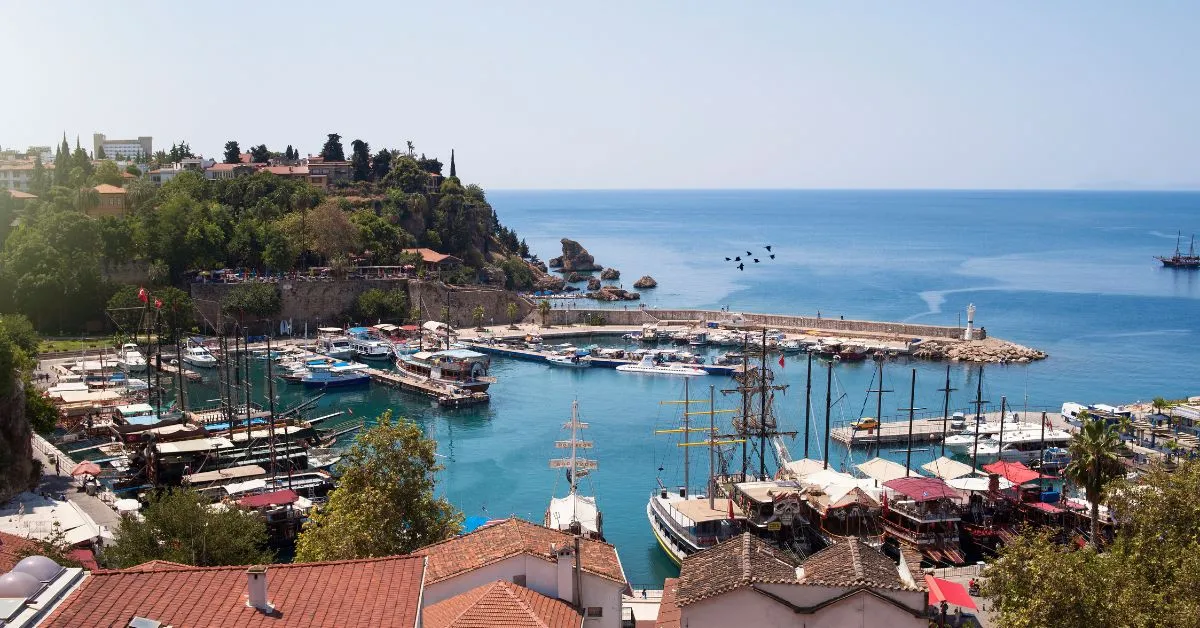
column 762, row 415
column 1042, row 446
column 1003, row 410
column 828, row 403
column 574, row 440
column 879, row 411
column 712, row 436
column 745, row 390
column 687, row 453
column 807, row 402
column 946, row 409
column 912, row 398
column 271, row 405
column 978, row 419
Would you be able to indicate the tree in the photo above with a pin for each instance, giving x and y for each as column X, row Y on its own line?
column 544, row 310
column 1159, row 404
column 453, row 172
column 376, row 304
column 384, row 503
column 1036, row 583
column 179, row 526
column 133, row 170
column 332, row 150
column 1095, row 462
column 40, row 183
column 100, row 152
column 258, row 300
column 290, row 154
column 360, row 160
column 477, row 315
column 430, row 164
column 332, row 234
column 381, row 164
column 107, row 172
column 511, row 310
column 233, row 153
column 407, row 175
column 126, row 309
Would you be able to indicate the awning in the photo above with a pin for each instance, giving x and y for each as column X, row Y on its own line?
column 1014, row 472
column 884, row 470
column 946, row 591
column 278, row 498
column 948, row 469
column 922, row 489
column 1044, row 507
column 87, row 467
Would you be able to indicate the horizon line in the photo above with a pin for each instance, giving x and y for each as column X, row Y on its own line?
column 1148, row 190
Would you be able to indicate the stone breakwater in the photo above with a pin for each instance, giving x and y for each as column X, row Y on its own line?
column 990, row 350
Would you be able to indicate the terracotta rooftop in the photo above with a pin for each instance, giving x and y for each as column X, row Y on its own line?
column 851, row 563
column 159, row 565
column 105, row 188
column 513, row 537
column 287, row 170
column 738, row 562
column 501, row 603
column 668, row 610
column 429, row 256
column 224, row 167
column 12, row 549
column 371, row 592
column 18, row 194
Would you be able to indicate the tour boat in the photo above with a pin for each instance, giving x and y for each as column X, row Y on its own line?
column 197, row 355
column 575, row 513
column 1191, row 260
column 332, row 343
column 648, row 366
column 922, row 513
column 131, row 359
column 1022, row 445
column 336, row 374
column 367, row 347
column 569, row 361
column 963, row 443
column 461, row 368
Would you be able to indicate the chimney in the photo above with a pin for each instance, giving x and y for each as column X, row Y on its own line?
column 256, row 589
column 565, row 557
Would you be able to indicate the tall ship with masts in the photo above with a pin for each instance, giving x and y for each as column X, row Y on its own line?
column 1178, row 260
column 575, row 513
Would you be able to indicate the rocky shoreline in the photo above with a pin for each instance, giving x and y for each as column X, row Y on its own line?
column 990, row 351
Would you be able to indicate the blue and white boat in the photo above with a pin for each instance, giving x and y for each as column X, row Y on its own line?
column 368, row 347
column 336, row 374
column 332, row 343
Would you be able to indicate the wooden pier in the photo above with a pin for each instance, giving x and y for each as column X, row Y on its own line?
column 531, row 355
column 891, row 433
column 446, row 396
column 173, row 369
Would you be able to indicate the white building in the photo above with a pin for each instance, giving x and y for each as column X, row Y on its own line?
column 16, row 175
column 143, row 146
column 530, row 556
column 745, row 582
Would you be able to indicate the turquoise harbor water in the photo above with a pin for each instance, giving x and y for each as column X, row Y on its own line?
column 1069, row 273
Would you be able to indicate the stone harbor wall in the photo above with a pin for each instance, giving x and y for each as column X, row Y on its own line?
column 318, row 303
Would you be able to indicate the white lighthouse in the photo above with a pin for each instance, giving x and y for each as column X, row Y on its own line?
column 970, row 322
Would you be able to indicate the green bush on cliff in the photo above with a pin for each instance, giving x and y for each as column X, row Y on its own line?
column 256, row 300
column 379, row 305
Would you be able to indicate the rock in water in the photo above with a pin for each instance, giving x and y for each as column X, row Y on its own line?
column 593, row 283
column 549, row 282
column 575, row 257
column 574, row 277
column 556, row 262
column 610, row 274
column 645, row 282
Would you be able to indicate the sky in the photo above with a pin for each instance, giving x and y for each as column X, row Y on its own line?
column 933, row 94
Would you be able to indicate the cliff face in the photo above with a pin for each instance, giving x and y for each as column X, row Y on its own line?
column 17, row 471
column 574, row 257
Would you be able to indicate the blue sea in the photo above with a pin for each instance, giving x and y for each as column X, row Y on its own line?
column 1071, row 273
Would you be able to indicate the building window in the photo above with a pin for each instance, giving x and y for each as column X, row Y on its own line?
column 595, row 611
column 519, row 580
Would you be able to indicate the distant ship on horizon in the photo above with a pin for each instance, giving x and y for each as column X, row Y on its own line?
column 1191, row 260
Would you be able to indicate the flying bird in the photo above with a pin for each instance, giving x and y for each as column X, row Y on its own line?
column 741, row 267
column 768, row 247
column 727, row 259
column 749, row 253
column 756, row 260
column 772, row 256
column 737, row 259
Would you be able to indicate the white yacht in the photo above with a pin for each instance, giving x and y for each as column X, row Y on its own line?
column 197, row 355
column 1022, row 446
column 648, row 366
column 131, row 359
column 367, row 346
column 575, row 513
column 964, row 443
column 332, row 343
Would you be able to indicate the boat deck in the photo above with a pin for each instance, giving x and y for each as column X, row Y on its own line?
column 445, row 395
column 173, row 369
column 533, row 355
column 891, row 433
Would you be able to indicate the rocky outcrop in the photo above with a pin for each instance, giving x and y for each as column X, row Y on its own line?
column 575, row 278
column 645, row 282
column 987, row 351
column 593, row 283
column 540, row 265
column 17, row 469
column 609, row 293
column 492, row 275
column 556, row 262
column 610, row 274
column 549, row 282
column 575, row 257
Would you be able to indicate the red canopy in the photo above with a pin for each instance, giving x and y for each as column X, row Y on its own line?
column 278, row 498
column 1044, row 507
column 950, row 592
column 922, row 489
column 1014, row 472
column 87, row 467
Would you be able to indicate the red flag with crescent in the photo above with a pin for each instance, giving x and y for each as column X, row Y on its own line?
column 781, row 361
column 142, row 296
column 157, row 304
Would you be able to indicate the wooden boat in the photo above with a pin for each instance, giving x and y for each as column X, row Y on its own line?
column 923, row 514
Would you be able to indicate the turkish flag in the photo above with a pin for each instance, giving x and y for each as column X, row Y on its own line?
column 781, row 361
column 158, row 304
column 730, row 508
column 142, row 296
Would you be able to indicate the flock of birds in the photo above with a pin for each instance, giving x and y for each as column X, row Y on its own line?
column 749, row 256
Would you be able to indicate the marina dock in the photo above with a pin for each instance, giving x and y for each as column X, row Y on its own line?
column 173, row 369
column 890, row 433
column 446, row 396
column 531, row 355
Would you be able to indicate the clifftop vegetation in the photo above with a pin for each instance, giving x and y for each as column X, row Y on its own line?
column 51, row 265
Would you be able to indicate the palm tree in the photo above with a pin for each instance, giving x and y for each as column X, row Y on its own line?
column 1159, row 404
column 477, row 314
column 1125, row 425
column 511, row 309
column 1095, row 462
column 544, row 310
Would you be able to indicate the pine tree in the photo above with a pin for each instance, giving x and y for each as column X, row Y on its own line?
column 360, row 160
column 332, row 151
column 452, row 171
column 233, row 154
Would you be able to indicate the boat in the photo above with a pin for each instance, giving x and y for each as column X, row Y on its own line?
column 336, row 374
column 368, row 347
column 569, row 361
column 1022, row 445
column 461, row 368
column 698, row 339
column 332, row 343
column 922, row 514
column 649, row 366
column 131, row 359
column 963, row 443
column 575, row 513
column 851, row 353
column 840, row 506
column 197, row 355
column 1189, row 261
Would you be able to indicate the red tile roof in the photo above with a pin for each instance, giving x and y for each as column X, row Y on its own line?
column 276, row 498
column 429, row 256
column 501, row 603
column 287, row 170
column 158, row 565
column 12, row 549
column 513, row 537
column 852, row 563
column 223, row 167
column 738, row 562
column 105, row 188
column 18, row 194
column 668, row 610
column 370, row 592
